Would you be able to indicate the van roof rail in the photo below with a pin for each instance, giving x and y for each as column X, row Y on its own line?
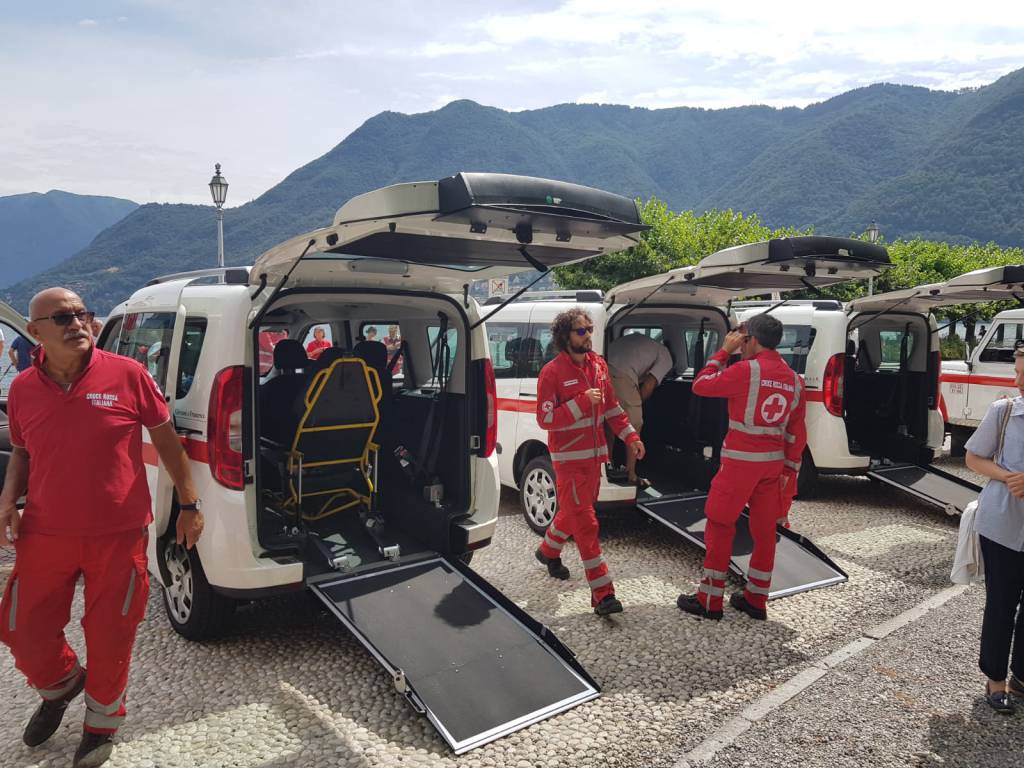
column 582, row 297
column 816, row 303
column 225, row 275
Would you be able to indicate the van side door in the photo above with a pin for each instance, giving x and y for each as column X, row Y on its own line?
column 504, row 341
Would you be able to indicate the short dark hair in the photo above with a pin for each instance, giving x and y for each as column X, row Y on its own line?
column 562, row 325
column 766, row 329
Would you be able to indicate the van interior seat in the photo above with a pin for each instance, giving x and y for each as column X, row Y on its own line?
column 281, row 396
column 375, row 355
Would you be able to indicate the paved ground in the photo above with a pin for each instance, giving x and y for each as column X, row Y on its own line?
column 289, row 687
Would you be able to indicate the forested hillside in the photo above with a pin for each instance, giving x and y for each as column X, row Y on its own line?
column 38, row 231
column 947, row 166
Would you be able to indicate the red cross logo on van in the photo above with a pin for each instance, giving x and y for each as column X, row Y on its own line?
column 773, row 407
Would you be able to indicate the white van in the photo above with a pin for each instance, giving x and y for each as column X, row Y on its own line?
column 872, row 372
column 367, row 475
column 986, row 374
column 688, row 310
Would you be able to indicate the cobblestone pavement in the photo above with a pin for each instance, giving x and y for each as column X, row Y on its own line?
column 289, row 686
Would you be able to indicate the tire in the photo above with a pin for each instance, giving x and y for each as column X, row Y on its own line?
column 195, row 611
column 958, row 438
column 807, row 481
column 537, row 494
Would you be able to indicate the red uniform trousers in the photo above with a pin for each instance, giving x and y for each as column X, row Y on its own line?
column 37, row 606
column 739, row 484
column 577, row 489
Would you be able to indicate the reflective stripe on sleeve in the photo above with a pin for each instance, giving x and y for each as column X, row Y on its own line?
column 586, row 453
column 575, row 410
column 753, row 573
column 716, row 363
column 752, row 389
column 794, row 465
column 750, row 429
column 790, row 438
column 611, row 413
column 587, row 422
column 626, row 432
column 730, row 453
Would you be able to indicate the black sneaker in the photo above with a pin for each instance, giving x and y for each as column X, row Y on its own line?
column 555, row 568
column 691, row 605
column 46, row 719
column 94, row 749
column 609, row 604
column 739, row 602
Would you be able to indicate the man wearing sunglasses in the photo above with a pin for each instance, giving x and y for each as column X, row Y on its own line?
column 574, row 398
column 76, row 419
column 760, row 461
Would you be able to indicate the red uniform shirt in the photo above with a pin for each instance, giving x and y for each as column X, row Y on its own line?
column 316, row 347
column 86, row 473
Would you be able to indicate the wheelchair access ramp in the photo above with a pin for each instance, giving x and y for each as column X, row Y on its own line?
column 461, row 652
column 799, row 565
column 945, row 491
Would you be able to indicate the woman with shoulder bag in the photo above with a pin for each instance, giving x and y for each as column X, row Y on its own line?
column 996, row 450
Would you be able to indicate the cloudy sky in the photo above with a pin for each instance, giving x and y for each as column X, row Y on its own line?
column 139, row 98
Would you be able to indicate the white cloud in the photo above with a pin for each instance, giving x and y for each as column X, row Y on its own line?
column 88, row 23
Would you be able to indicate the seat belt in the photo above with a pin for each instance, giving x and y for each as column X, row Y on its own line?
column 430, row 440
column 693, row 417
column 901, row 429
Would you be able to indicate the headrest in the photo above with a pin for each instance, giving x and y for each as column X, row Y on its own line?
column 373, row 353
column 289, row 355
column 328, row 356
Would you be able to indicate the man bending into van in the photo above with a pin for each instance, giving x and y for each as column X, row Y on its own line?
column 760, row 462
column 574, row 397
column 637, row 364
column 76, row 419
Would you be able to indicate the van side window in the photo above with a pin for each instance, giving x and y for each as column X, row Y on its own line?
column 188, row 360
column 146, row 337
column 999, row 348
column 711, row 339
column 505, row 340
column 389, row 333
column 536, row 351
column 452, row 338
column 13, row 356
column 796, row 345
column 268, row 338
column 891, row 342
column 110, row 336
column 652, row 332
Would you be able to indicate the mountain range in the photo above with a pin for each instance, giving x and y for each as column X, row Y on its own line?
column 937, row 164
column 38, row 231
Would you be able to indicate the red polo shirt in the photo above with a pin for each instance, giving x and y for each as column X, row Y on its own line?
column 86, row 474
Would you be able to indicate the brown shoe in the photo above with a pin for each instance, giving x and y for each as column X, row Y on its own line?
column 46, row 719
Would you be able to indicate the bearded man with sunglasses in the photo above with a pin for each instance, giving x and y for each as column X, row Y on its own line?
column 76, row 418
column 574, row 398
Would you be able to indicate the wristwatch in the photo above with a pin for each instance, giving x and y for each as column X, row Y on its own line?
column 195, row 506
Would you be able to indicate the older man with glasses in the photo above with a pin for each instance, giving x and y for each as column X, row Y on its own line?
column 574, row 397
column 76, row 418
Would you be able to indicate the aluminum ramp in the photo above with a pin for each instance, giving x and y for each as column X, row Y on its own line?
column 463, row 654
column 942, row 489
column 799, row 565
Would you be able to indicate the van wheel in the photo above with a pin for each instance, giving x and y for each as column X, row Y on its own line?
column 193, row 608
column 537, row 494
column 807, row 484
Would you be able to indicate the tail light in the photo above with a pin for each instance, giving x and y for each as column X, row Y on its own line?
column 936, row 371
column 491, row 423
column 832, row 386
column 224, row 428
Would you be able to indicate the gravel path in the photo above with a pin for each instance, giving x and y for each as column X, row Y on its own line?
column 290, row 687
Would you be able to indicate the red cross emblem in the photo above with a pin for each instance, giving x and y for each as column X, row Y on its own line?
column 773, row 407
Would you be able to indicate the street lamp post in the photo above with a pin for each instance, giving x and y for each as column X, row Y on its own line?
column 873, row 233
column 219, row 190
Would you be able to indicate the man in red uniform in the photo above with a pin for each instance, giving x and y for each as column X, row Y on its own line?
column 574, row 398
column 76, row 419
column 760, row 461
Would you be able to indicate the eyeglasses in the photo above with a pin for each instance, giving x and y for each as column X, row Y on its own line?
column 64, row 318
column 584, row 330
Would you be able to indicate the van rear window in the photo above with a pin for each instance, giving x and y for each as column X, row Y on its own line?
column 795, row 346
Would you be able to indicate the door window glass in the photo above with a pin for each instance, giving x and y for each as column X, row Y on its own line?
column 388, row 333
column 796, row 345
column 146, row 337
column 652, row 332
column 505, row 341
column 318, row 338
column 536, row 351
column 999, row 348
column 268, row 338
column 16, row 357
column 690, row 335
column 891, row 343
column 437, row 348
column 188, row 360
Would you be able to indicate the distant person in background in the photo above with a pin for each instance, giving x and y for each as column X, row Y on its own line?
column 393, row 343
column 996, row 450
column 2, row 340
column 21, row 352
column 316, row 347
column 96, row 326
column 371, row 333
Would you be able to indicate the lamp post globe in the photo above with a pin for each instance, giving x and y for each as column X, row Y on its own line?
column 219, row 191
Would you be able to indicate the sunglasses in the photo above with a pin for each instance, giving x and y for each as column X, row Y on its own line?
column 583, row 331
column 64, row 318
